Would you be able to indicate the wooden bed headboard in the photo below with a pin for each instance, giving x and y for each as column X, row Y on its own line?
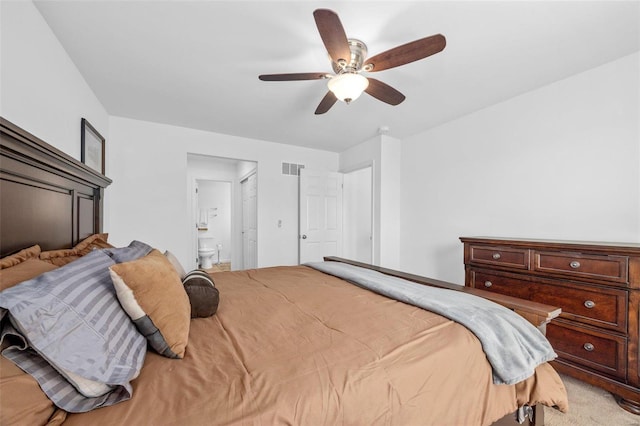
column 46, row 196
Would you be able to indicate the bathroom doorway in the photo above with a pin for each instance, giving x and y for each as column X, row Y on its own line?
column 214, row 223
column 216, row 210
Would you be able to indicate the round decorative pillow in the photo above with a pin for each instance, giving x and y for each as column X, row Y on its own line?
column 203, row 294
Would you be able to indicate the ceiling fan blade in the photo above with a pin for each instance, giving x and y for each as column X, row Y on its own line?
column 332, row 34
column 410, row 52
column 326, row 103
column 384, row 92
column 293, row 76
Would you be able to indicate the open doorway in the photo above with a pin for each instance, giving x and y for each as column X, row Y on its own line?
column 358, row 215
column 214, row 224
column 217, row 211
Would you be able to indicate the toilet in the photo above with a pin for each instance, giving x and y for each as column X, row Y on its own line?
column 206, row 251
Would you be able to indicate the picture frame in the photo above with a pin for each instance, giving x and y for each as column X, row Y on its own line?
column 92, row 147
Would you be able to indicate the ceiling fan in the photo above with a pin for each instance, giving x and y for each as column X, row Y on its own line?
column 349, row 59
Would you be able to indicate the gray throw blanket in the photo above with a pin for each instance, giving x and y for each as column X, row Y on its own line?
column 513, row 346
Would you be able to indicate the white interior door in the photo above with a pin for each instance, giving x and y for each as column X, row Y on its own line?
column 249, row 222
column 320, row 205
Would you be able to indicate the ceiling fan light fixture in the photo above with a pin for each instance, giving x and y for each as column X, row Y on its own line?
column 349, row 57
column 348, row 86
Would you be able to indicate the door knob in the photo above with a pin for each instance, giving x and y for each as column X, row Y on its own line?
column 304, row 237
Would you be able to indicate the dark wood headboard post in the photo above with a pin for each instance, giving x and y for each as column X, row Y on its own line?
column 46, row 196
column 99, row 215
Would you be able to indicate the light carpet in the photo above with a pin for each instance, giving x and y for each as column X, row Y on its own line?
column 589, row 406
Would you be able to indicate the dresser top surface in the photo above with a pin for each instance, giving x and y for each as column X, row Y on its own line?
column 564, row 244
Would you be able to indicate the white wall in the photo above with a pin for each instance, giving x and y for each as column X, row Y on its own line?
column 561, row 162
column 390, row 210
column 41, row 90
column 150, row 198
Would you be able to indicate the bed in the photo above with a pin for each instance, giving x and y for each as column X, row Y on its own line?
column 287, row 345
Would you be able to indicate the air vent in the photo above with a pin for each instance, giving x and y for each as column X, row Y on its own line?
column 291, row 169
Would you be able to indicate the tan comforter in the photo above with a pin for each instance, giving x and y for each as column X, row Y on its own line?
column 290, row 345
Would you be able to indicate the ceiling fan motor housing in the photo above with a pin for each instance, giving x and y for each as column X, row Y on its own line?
column 358, row 55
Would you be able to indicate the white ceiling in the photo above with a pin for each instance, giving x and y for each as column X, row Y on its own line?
column 196, row 63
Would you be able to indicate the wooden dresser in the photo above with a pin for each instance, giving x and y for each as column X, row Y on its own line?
column 597, row 285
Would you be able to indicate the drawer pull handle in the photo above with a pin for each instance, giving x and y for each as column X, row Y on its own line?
column 589, row 304
column 496, row 256
column 575, row 264
column 588, row 347
column 488, row 284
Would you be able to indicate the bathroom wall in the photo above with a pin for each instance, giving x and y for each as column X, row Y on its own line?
column 214, row 204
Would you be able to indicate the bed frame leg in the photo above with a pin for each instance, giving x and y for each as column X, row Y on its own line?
column 538, row 415
column 512, row 419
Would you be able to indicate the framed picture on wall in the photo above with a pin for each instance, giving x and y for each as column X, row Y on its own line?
column 92, row 153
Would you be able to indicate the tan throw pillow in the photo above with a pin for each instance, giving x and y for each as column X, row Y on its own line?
column 26, row 270
column 152, row 294
column 19, row 257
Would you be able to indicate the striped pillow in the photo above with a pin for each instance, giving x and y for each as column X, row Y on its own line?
column 77, row 341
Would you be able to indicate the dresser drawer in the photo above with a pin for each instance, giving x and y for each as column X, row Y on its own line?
column 499, row 256
column 598, row 267
column 601, row 307
column 591, row 348
column 501, row 284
